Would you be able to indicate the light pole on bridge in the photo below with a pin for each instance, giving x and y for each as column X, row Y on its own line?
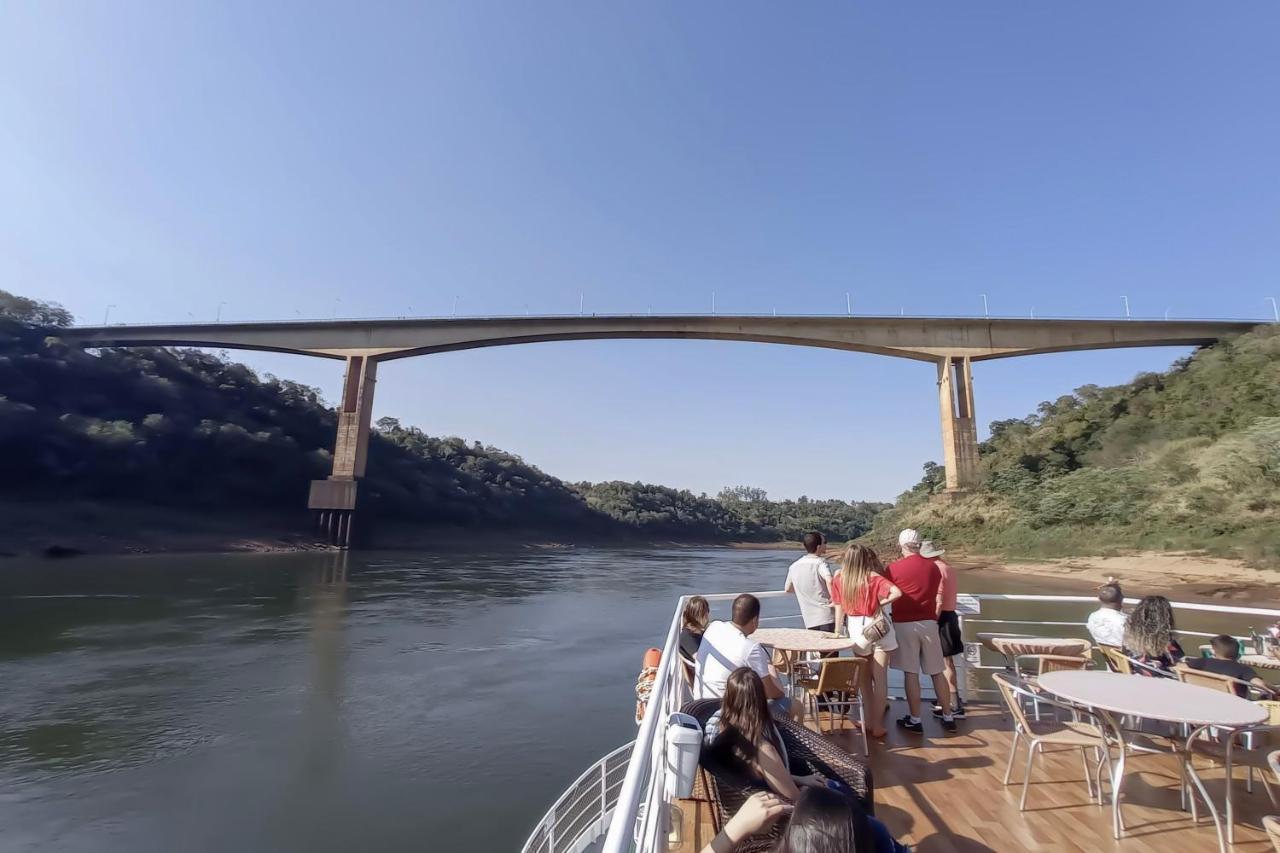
column 217, row 315
column 1275, row 311
column 1127, row 316
column 986, row 310
column 106, row 315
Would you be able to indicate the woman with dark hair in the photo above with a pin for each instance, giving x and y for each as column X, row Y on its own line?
column 825, row 821
column 693, row 624
column 1148, row 634
column 746, row 736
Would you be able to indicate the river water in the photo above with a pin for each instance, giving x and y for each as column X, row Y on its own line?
column 324, row 702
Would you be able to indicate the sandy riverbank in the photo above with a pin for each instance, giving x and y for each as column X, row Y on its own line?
column 1184, row 576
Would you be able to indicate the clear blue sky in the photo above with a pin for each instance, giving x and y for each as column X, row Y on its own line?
column 279, row 157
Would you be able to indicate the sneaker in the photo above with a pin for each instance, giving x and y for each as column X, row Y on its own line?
column 958, row 713
column 949, row 725
column 905, row 724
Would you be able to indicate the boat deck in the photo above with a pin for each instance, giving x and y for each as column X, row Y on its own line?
column 945, row 794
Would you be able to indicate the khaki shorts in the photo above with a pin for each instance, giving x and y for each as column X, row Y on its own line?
column 919, row 647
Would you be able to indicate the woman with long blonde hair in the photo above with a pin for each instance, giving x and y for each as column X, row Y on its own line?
column 860, row 591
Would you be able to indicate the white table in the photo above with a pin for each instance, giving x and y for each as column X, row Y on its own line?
column 791, row 641
column 1162, row 699
column 1260, row 661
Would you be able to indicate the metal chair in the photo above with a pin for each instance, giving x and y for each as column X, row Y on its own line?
column 1081, row 734
column 838, row 677
column 1043, row 664
column 1115, row 659
column 1049, row 663
column 1229, row 751
column 1271, row 823
column 1235, row 687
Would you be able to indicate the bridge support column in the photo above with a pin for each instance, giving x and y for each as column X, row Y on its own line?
column 335, row 499
column 959, row 428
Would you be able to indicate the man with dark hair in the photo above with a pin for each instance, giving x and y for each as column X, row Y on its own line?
column 810, row 579
column 1226, row 661
column 727, row 646
column 1106, row 624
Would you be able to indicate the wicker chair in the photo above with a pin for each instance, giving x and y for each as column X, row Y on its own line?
column 1084, row 735
column 1115, row 660
column 1230, row 750
column 837, row 686
column 807, row 752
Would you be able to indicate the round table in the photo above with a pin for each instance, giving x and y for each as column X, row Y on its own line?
column 792, row 641
column 1162, row 699
column 1260, row 661
column 801, row 640
column 1012, row 647
column 988, row 638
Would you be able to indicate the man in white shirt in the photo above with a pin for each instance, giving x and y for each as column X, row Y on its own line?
column 726, row 646
column 1106, row 624
column 810, row 579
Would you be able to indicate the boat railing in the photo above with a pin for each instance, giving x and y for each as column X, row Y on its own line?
column 640, row 816
column 579, row 817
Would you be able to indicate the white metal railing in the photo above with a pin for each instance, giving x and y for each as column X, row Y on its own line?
column 638, row 817
column 577, row 819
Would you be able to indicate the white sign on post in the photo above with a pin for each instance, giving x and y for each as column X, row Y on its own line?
column 968, row 605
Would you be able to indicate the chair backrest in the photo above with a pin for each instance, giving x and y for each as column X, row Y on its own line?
column 781, row 661
column 1272, row 825
column 1054, row 663
column 1273, row 708
column 1211, row 680
column 1116, row 660
column 1011, row 692
column 840, row 674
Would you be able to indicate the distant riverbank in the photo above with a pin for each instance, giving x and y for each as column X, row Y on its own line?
column 85, row 528
column 73, row 528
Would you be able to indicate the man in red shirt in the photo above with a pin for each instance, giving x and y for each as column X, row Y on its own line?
column 915, row 621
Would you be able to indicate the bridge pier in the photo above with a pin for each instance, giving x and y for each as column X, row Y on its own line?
column 959, row 427
column 335, row 500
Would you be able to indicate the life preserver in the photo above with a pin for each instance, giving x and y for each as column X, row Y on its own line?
column 644, row 684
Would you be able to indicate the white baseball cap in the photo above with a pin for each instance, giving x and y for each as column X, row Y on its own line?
column 909, row 537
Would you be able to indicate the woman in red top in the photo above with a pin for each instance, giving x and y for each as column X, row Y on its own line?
column 859, row 590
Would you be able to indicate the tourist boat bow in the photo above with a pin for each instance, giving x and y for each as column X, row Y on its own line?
column 621, row 803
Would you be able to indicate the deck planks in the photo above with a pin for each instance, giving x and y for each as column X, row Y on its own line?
column 945, row 794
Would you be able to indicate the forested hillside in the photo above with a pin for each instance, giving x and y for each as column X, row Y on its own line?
column 1188, row 458
column 185, row 428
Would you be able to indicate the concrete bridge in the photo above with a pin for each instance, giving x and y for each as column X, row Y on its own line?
column 952, row 344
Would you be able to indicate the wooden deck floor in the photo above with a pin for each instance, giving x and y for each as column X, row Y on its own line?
column 945, row 794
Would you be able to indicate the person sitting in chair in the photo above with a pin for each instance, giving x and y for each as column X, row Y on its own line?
column 1148, row 635
column 1106, row 624
column 726, row 646
column 743, row 735
column 1226, row 661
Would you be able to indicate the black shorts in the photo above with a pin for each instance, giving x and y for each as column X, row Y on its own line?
column 949, row 633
